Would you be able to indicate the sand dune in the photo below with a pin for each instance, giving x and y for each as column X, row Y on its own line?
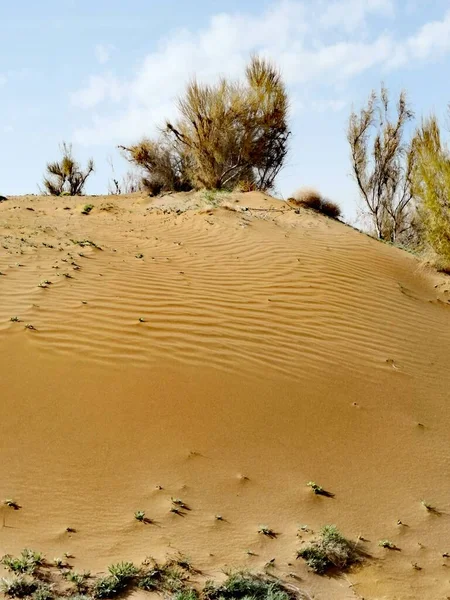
column 227, row 354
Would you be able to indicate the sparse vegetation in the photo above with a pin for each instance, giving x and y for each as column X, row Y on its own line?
column 172, row 579
column 167, row 577
column 139, row 515
column 10, row 502
column 387, row 544
column 66, row 176
column 244, row 585
column 331, row 550
column 120, row 577
column 178, row 502
column 164, row 168
column 87, row 209
column 267, row 531
column 18, row 587
column 80, row 580
column 311, row 198
column 26, row 563
column 43, row 592
column 317, row 489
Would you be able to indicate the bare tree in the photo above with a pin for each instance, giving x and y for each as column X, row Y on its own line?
column 66, row 176
column 382, row 163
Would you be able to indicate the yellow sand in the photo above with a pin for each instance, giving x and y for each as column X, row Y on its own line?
column 274, row 348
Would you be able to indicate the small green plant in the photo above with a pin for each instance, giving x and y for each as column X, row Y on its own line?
column 123, row 571
column 15, row 319
column 18, row 587
column 180, row 503
column 60, row 563
column 107, row 587
column 317, row 489
column 43, row 592
column 267, row 531
column 26, row 563
column 12, row 504
column 120, row 577
column 168, row 577
column 387, row 544
column 139, row 515
column 30, row 326
column 177, row 511
column 189, row 594
column 214, row 197
column 430, row 508
column 80, row 580
column 180, row 560
column 332, row 549
column 87, row 209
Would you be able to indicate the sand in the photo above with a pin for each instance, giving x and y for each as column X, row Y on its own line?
column 225, row 355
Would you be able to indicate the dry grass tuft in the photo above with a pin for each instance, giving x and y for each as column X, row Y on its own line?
column 311, row 198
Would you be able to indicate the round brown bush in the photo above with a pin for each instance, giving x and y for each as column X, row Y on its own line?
column 311, row 198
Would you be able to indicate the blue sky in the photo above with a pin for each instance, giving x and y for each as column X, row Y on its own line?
column 104, row 72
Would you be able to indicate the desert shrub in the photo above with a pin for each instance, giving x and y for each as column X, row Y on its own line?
column 18, row 587
column 167, row 577
column 87, row 209
column 164, row 168
column 120, row 577
column 80, row 580
column 332, row 549
column 245, row 185
column 43, row 592
column 66, row 176
column 27, row 562
column 241, row 584
column 382, row 163
column 311, row 198
column 226, row 134
column 189, row 594
column 432, row 187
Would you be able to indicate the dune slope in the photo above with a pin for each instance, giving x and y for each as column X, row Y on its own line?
column 224, row 355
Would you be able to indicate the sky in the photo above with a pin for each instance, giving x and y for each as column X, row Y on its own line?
column 107, row 72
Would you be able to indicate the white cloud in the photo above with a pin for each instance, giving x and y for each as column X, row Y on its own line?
column 308, row 39
column 100, row 88
column 103, row 53
column 350, row 15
